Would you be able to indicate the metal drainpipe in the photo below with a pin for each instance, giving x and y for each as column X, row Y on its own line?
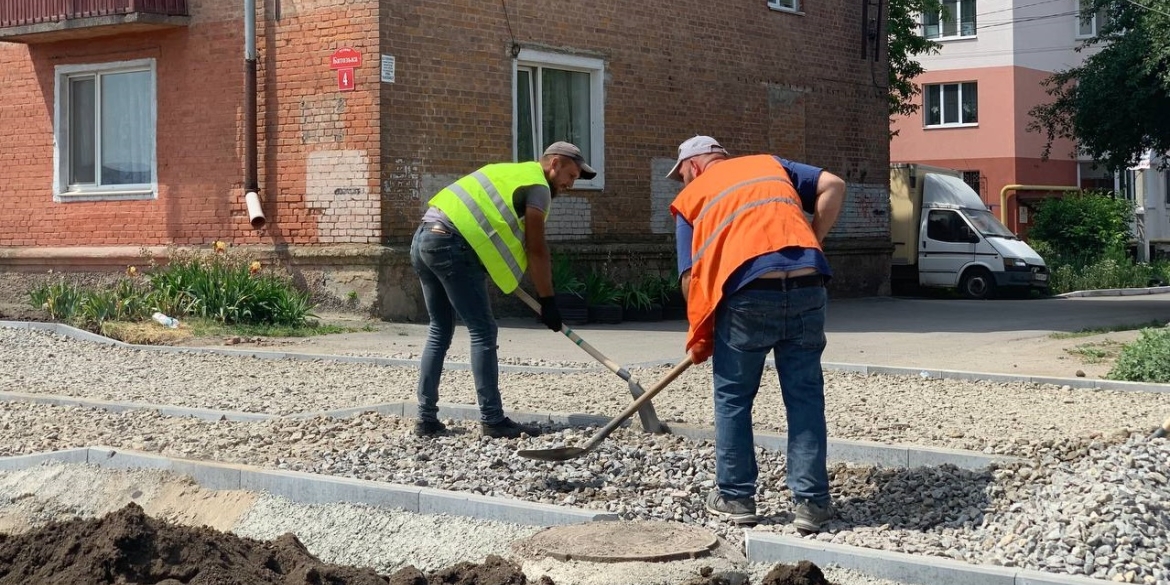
column 251, row 175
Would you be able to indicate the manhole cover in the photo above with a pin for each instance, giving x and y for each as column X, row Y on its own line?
column 615, row 542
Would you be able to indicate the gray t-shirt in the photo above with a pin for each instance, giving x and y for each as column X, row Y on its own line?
column 537, row 196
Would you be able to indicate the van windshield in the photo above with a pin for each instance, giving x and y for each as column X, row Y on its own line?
column 987, row 224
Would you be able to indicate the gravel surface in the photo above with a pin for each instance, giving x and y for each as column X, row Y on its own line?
column 1090, row 499
column 380, row 538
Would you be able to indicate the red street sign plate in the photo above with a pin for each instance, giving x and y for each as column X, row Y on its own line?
column 345, row 79
column 345, row 57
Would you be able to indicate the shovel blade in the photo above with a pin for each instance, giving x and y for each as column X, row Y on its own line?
column 557, row 454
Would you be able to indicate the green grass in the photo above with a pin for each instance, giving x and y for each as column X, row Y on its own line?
column 1107, row 329
column 212, row 328
column 1095, row 353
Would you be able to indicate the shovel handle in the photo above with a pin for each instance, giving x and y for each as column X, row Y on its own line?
column 670, row 376
column 597, row 355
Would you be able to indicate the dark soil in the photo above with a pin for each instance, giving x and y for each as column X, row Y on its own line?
column 128, row 547
column 802, row 573
column 13, row 312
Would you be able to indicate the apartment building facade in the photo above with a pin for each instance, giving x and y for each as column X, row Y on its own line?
column 977, row 94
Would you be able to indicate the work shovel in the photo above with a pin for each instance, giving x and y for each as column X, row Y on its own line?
column 646, row 414
column 566, row 453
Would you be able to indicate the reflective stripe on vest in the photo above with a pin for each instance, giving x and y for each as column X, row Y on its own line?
column 488, row 220
column 739, row 209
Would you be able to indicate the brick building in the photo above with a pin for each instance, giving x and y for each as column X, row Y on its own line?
column 123, row 123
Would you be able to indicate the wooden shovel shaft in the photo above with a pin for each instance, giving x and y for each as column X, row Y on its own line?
column 597, row 355
column 634, row 406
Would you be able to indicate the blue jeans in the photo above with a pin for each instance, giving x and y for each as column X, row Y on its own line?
column 748, row 325
column 455, row 281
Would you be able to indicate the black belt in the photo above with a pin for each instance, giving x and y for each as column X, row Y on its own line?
column 785, row 284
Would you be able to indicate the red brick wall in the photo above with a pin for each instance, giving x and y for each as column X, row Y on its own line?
column 199, row 133
column 354, row 167
column 756, row 78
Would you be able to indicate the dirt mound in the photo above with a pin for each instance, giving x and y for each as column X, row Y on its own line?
column 127, row 546
column 802, row 573
column 494, row 571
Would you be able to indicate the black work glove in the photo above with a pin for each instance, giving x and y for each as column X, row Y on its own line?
column 550, row 315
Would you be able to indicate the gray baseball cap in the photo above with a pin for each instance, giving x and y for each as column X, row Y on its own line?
column 691, row 148
column 570, row 150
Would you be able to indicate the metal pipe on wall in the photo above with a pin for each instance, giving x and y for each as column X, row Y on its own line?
column 251, row 173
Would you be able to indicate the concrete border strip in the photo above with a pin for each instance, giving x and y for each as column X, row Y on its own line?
column 114, row 406
column 310, row 488
column 841, row 450
column 1081, row 383
column 83, row 335
column 1115, row 292
column 935, row 373
column 763, row 547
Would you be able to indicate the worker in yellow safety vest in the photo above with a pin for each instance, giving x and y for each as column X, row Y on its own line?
column 490, row 223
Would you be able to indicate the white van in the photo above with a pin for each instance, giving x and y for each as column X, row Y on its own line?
column 945, row 237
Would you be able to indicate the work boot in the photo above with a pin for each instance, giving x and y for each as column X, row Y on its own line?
column 508, row 429
column 741, row 511
column 428, row 428
column 811, row 517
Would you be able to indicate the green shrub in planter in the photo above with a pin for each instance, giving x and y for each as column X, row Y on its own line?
column 603, row 298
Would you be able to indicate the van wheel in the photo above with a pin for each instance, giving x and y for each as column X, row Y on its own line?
column 977, row 283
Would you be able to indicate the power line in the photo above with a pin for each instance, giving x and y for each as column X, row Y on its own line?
column 1150, row 8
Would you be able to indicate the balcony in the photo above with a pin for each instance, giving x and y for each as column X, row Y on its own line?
column 47, row 21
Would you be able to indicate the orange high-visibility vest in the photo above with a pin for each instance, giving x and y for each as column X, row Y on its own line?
column 740, row 208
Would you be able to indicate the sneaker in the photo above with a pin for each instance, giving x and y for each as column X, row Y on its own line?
column 741, row 511
column 811, row 517
column 509, row 429
column 428, row 428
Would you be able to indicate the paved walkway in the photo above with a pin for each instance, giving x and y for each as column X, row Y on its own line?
column 1005, row 336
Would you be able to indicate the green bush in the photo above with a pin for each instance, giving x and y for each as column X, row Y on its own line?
column 220, row 286
column 1083, row 226
column 564, row 276
column 1112, row 269
column 600, row 290
column 1145, row 360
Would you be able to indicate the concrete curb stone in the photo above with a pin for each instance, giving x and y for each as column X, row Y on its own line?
column 762, row 547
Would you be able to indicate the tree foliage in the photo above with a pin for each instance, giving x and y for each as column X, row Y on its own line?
column 1116, row 104
column 905, row 43
column 1083, row 224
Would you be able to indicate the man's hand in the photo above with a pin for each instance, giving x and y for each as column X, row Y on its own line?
column 700, row 352
column 550, row 315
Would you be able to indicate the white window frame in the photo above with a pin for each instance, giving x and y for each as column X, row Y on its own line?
column 1096, row 25
column 793, row 6
column 958, row 24
column 942, row 115
column 596, row 70
column 62, row 190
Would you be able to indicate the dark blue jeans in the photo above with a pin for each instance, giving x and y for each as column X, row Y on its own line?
column 748, row 325
column 454, row 281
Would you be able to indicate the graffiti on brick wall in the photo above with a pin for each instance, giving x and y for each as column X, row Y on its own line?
column 337, row 192
column 866, row 213
column 571, row 219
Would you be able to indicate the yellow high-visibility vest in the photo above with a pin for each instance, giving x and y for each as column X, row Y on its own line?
column 480, row 206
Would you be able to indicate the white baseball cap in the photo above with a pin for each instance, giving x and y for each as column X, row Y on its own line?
column 691, row 148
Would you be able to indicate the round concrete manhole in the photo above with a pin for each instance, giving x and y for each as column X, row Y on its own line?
column 615, row 542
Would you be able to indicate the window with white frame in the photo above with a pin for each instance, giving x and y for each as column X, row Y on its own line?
column 951, row 104
column 785, row 5
column 1089, row 23
column 560, row 97
column 955, row 20
column 105, row 131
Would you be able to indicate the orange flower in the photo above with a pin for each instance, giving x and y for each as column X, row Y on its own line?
column 132, row 271
column 220, row 247
column 254, row 267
